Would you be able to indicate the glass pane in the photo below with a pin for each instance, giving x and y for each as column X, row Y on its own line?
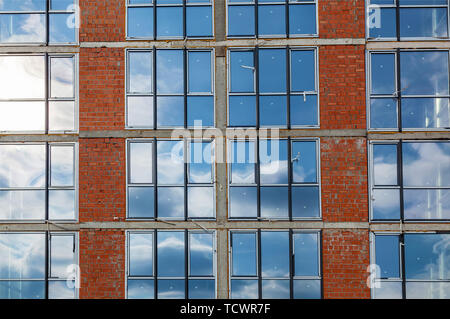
column 61, row 28
column 302, row 19
column 22, row 116
column 383, row 73
column 382, row 24
column 422, row 2
column 426, row 164
column 170, row 2
column 305, row 202
column 275, row 289
column 141, row 289
column 243, row 162
column 22, row 289
column 243, row 202
column 171, row 202
column 140, row 111
column 307, row 289
column 273, row 161
column 62, row 77
column 242, row 110
column 200, row 111
column 22, row 28
column 303, row 70
column 200, row 74
column 274, row 202
column 171, row 254
column 274, row 254
column 20, row 5
column 385, row 164
column 304, row 162
column 201, row 254
column 241, row 20
column 200, row 164
column 169, row 22
column 171, row 289
column 169, row 71
column 244, row 289
column 244, row 254
column 62, row 166
column 202, row 289
column 22, row 256
column 427, row 203
column 425, row 113
column 60, row 290
column 424, row 72
column 170, row 168
column 201, row 202
column 62, row 116
column 427, row 256
column 19, row 72
column 140, row 23
column 141, row 254
column 387, row 256
column 22, row 166
column 386, row 204
column 388, row 290
column 62, row 255
column 170, row 111
column 140, row 72
column 22, row 205
column 61, row 4
column 304, row 110
column 423, row 22
column 198, row 21
column 306, row 254
column 242, row 71
column 272, row 70
column 273, row 110
column 383, row 113
column 141, row 202
column 141, row 162
column 271, row 20
column 62, row 204
column 428, row 290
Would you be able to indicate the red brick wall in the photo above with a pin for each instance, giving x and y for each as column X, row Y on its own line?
column 102, row 262
column 344, row 179
column 345, row 256
column 102, row 20
column 102, row 179
column 102, row 89
column 342, row 87
column 341, row 18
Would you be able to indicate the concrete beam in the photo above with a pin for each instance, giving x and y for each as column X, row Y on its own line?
column 387, row 45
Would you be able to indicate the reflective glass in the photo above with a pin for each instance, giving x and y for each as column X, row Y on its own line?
column 171, row 289
column 199, row 70
column 22, row 289
column 58, row 289
column 62, row 255
column 242, row 110
column 304, row 162
column 22, row 116
column 388, row 290
column 243, row 202
column 244, row 254
column 306, row 254
column 386, row 204
column 427, row 203
column 202, row 289
column 200, row 164
column 427, row 290
column 170, row 110
column 387, row 255
column 201, row 254
column 62, row 166
column 60, row 29
column 61, row 116
column 171, row 202
column 170, row 168
column 141, row 202
column 383, row 113
column 271, row 20
column 302, row 19
column 141, row 162
column 244, row 289
column 200, row 108
column 383, row 24
column 169, row 22
column 242, row 71
column 274, row 202
column 140, row 23
column 274, row 254
column 273, row 163
column 241, row 20
column 423, row 22
column 21, row 5
column 273, row 110
column 140, row 72
column 171, row 254
column 141, row 254
column 22, row 28
column 272, row 70
column 61, row 77
column 425, row 113
column 303, row 70
column 383, row 73
column 305, row 202
column 198, row 21
column 61, row 4
column 275, row 289
column 140, row 111
column 169, row 71
column 243, row 162
column 307, row 289
column 304, row 110
column 140, row 289
column 27, row 204
column 385, row 164
column 62, row 204
column 201, row 202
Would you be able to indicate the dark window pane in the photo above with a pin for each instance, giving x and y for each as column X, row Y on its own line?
column 274, row 254
column 387, row 256
column 242, row 71
column 385, row 164
column 425, row 113
column 273, row 163
column 383, row 73
column 302, row 19
column 169, row 22
column 140, row 166
column 242, row 110
column 28, row 204
column 171, row 254
column 202, row 289
column 307, row 289
column 198, row 21
column 62, row 204
column 140, row 23
column 244, row 289
column 141, row 289
column 141, row 202
column 273, row 110
column 201, row 202
column 306, row 255
column 305, row 202
column 274, row 202
column 243, row 202
column 271, row 20
column 303, row 69
column 169, row 71
column 383, row 113
column 60, row 31
column 200, row 111
column 171, row 289
column 423, row 22
column 386, row 27
column 243, row 162
column 275, row 289
column 170, row 111
column 304, row 162
column 141, row 254
column 200, row 78
column 427, row 203
column 304, row 110
column 140, row 72
column 22, row 28
column 241, row 20
column 170, row 168
column 171, row 202
column 244, row 254
column 201, row 254
column 272, row 70
column 386, row 204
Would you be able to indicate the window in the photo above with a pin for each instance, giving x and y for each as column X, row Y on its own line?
column 38, row 21
column 269, row 186
column 177, row 93
column 273, row 88
column 169, row 19
column 32, row 102
column 412, row 266
column 38, row 265
column 409, row 90
column 182, row 189
column 410, row 180
column 272, row 18
column 38, row 182
column 418, row 19
column 275, row 264
column 171, row 265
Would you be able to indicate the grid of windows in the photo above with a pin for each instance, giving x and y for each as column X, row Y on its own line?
column 38, row 182
column 38, row 265
column 169, row 19
column 273, row 87
column 264, row 184
column 412, row 266
column 178, row 174
column 408, row 19
column 409, row 90
column 171, row 265
column 272, row 18
column 38, row 21
column 37, row 93
column 170, row 88
column 410, row 180
column 275, row 264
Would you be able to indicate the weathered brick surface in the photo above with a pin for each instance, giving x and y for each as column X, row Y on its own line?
column 341, row 18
